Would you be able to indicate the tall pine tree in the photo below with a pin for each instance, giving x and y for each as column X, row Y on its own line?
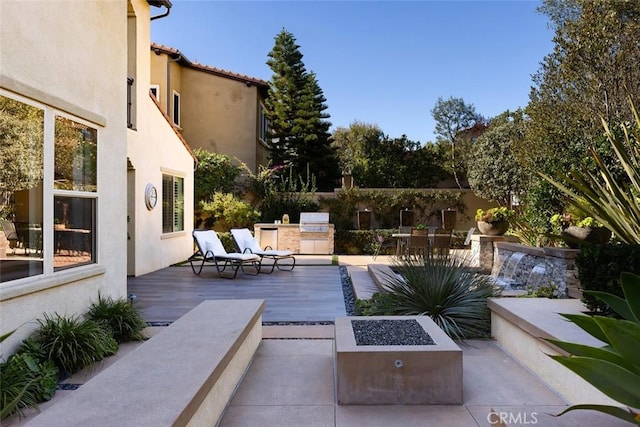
column 299, row 130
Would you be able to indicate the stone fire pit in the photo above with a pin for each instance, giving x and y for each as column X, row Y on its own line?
column 376, row 373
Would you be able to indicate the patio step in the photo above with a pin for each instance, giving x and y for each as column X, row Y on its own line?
column 184, row 375
column 363, row 284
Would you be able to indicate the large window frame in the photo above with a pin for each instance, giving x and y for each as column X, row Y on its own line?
column 42, row 206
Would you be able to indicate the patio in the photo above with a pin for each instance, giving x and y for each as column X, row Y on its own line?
column 291, row 379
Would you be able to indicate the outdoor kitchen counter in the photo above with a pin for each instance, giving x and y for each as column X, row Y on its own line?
column 288, row 237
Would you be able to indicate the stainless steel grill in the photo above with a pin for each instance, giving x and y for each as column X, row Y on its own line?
column 314, row 233
column 314, row 222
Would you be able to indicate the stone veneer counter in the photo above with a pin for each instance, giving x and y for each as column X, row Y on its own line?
column 288, row 238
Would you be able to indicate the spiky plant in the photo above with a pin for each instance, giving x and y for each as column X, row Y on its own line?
column 443, row 288
column 122, row 317
column 72, row 343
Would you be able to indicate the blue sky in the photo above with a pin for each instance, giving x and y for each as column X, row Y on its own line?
column 381, row 62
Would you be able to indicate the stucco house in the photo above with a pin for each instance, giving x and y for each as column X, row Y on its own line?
column 84, row 146
column 216, row 110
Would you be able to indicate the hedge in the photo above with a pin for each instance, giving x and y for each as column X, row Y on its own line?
column 599, row 269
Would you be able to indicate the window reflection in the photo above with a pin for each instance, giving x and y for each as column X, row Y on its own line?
column 21, row 195
column 73, row 231
column 75, row 156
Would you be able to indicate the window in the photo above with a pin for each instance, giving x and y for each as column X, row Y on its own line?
column 130, row 92
column 68, row 183
column 75, row 186
column 172, row 203
column 176, row 108
column 263, row 123
column 21, row 188
column 155, row 90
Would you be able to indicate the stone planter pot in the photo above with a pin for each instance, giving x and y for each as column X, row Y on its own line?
column 575, row 235
column 497, row 228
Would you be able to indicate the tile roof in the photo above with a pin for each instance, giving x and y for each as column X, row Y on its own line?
column 183, row 60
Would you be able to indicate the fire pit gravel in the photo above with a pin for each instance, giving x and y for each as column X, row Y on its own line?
column 390, row 332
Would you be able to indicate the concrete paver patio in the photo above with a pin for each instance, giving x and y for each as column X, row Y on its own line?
column 291, row 383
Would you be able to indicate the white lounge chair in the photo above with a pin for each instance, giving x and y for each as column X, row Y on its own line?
column 210, row 249
column 246, row 243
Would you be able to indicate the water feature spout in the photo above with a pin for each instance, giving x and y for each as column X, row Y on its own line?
column 507, row 274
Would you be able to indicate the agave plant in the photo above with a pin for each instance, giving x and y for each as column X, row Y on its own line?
column 615, row 204
column 614, row 369
column 443, row 288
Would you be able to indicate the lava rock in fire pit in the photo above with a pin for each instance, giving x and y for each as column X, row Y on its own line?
column 390, row 332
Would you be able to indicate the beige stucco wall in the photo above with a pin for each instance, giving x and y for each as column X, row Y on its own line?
column 153, row 148
column 159, row 73
column 219, row 114
column 71, row 58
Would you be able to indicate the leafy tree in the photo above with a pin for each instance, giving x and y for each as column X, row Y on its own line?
column 215, row 173
column 375, row 160
column 615, row 202
column 493, row 171
column 385, row 166
column 299, row 130
column 349, row 144
column 589, row 74
column 453, row 116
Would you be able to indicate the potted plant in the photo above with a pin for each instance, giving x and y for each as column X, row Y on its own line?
column 575, row 230
column 494, row 221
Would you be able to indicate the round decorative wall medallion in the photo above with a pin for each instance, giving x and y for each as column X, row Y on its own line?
column 150, row 196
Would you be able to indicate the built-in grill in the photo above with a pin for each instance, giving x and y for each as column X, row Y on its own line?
column 314, row 233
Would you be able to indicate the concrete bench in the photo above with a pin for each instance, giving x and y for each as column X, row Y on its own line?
column 185, row 375
column 520, row 324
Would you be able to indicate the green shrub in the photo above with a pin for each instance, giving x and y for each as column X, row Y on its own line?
column 443, row 288
column 352, row 242
column 16, row 393
column 215, row 172
column 123, row 318
column 380, row 302
column 72, row 343
column 26, row 381
column 599, row 269
column 226, row 212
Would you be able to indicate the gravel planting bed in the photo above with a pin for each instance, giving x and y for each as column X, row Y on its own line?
column 390, row 332
column 347, row 290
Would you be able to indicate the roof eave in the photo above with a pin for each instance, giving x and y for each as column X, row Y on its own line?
column 160, row 3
